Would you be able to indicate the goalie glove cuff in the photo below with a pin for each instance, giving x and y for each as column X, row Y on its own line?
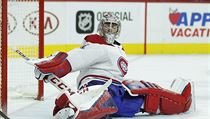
column 39, row 75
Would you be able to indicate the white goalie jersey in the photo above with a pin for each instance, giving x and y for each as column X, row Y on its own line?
column 97, row 60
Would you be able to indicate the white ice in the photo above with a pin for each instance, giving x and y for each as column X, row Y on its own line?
column 161, row 69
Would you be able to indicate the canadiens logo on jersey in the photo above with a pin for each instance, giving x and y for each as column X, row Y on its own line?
column 123, row 65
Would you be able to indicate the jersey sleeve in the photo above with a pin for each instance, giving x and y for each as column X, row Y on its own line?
column 86, row 56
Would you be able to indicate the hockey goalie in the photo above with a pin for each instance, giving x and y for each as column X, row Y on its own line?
column 100, row 59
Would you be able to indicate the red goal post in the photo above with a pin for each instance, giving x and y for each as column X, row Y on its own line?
column 5, row 49
column 3, row 65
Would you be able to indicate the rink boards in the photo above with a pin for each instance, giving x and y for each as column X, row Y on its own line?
column 147, row 28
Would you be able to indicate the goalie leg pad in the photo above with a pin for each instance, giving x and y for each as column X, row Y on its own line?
column 159, row 100
column 104, row 106
column 62, row 104
column 85, row 104
column 127, row 105
column 151, row 103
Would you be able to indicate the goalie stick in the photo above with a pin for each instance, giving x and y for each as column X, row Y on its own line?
column 3, row 115
column 54, row 80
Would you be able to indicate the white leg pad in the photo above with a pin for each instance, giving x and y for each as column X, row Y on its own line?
column 178, row 86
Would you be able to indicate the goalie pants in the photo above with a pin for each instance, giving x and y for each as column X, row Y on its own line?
column 127, row 105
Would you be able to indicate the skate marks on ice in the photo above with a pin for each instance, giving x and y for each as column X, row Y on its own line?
column 187, row 115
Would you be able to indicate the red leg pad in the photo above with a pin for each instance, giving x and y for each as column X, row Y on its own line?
column 151, row 103
column 103, row 107
column 159, row 100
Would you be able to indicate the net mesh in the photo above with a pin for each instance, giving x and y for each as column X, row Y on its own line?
column 23, row 33
column 23, row 28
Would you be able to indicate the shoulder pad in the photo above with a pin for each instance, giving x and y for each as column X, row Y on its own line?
column 95, row 39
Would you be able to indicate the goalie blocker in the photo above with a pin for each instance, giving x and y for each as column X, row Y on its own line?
column 56, row 64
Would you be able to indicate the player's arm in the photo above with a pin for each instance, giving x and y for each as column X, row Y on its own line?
column 86, row 56
column 62, row 63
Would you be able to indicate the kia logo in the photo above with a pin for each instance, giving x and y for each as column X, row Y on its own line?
column 31, row 22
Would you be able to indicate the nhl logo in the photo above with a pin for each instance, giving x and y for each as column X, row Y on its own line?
column 85, row 21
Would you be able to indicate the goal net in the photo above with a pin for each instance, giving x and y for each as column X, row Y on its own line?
column 23, row 33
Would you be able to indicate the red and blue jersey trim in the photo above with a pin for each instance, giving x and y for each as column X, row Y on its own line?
column 100, row 78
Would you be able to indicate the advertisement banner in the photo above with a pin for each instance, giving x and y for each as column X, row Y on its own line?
column 23, row 23
column 78, row 19
column 171, row 28
column 178, row 23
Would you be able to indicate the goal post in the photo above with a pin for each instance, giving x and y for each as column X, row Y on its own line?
column 3, row 56
column 41, row 46
column 18, row 17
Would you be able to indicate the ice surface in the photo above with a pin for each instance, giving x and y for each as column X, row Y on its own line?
column 161, row 69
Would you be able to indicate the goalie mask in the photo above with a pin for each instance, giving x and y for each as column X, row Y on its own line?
column 109, row 27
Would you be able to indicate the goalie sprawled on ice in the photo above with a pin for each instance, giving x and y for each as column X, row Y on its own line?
column 101, row 59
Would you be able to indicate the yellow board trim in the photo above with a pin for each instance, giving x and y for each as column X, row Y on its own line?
column 133, row 48
column 32, row 51
column 129, row 48
column 178, row 48
column 139, row 48
column 49, row 49
column 29, row 51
